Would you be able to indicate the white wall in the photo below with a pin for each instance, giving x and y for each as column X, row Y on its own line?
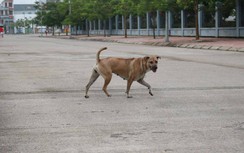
column 23, row 16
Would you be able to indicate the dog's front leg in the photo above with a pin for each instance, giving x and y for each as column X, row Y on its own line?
column 129, row 83
column 141, row 81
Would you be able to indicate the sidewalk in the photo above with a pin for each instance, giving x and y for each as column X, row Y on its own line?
column 210, row 43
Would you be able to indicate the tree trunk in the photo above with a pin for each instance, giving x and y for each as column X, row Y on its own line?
column 196, row 19
column 53, row 30
column 88, row 28
column 88, row 31
column 125, row 25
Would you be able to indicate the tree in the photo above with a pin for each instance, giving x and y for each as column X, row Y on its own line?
column 49, row 14
column 166, row 6
column 104, row 10
column 71, row 10
column 150, row 6
column 225, row 5
column 185, row 4
column 23, row 23
column 125, row 8
column 88, row 13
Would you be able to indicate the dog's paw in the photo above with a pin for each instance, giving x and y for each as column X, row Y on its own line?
column 86, row 96
column 129, row 96
column 150, row 93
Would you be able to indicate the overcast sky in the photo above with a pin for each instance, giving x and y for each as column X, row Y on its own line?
column 24, row 1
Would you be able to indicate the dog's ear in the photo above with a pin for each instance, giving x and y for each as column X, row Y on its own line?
column 146, row 58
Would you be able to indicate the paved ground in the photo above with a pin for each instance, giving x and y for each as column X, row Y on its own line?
column 197, row 106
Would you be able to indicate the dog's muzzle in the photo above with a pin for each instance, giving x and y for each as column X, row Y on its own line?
column 154, row 68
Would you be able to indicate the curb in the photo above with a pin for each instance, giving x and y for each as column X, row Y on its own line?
column 221, row 48
column 197, row 46
column 165, row 44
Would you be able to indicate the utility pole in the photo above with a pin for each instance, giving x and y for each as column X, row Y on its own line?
column 166, row 38
column 70, row 16
column 41, row 4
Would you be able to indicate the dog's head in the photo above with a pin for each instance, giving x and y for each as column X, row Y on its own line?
column 152, row 62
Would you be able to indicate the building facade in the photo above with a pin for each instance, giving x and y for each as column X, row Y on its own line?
column 215, row 22
column 6, row 16
column 24, row 13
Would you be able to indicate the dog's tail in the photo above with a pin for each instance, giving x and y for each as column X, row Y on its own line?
column 98, row 53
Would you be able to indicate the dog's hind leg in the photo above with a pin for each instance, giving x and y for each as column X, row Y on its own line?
column 107, row 80
column 93, row 78
column 141, row 81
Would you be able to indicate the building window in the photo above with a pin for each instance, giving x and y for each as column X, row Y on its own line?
column 162, row 20
column 152, row 19
column 119, row 22
column 189, row 18
column 144, row 21
column 113, row 21
column 227, row 13
column 83, row 26
column 95, row 25
column 241, row 13
column 176, row 19
column 208, row 15
column 91, row 26
column 104, row 24
column 10, row 4
column 134, row 22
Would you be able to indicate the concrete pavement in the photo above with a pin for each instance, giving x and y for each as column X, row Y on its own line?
column 197, row 105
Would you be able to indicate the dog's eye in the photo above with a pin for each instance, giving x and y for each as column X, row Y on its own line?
column 156, row 62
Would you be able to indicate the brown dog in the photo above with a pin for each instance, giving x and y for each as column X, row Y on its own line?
column 131, row 69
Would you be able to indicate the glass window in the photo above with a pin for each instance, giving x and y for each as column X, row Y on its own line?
column 107, row 24
column 189, row 16
column 143, row 21
column 176, row 19
column 83, row 25
column 153, row 19
column 208, row 15
column 241, row 13
column 227, row 13
column 119, row 22
column 91, row 25
column 162, row 20
column 113, row 21
column 95, row 24
column 127, row 22
column 134, row 22
column 101, row 24
column 104, row 24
